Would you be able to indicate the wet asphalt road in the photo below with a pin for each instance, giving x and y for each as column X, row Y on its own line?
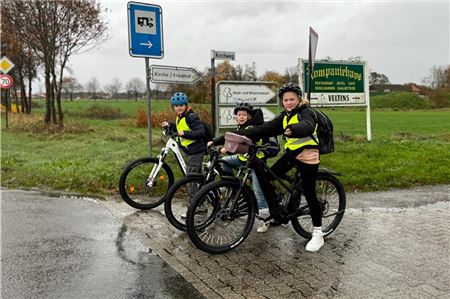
column 74, row 248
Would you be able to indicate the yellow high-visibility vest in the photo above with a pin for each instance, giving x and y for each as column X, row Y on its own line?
column 259, row 155
column 296, row 143
column 182, row 126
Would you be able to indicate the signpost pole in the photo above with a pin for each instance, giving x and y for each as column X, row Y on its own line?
column 215, row 128
column 145, row 39
column 367, row 96
column 149, row 104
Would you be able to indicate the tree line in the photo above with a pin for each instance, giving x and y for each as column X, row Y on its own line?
column 42, row 36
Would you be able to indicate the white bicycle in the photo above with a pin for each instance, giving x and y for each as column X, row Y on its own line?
column 145, row 181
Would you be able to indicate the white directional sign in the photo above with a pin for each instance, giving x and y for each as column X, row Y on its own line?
column 268, row 115
column 222, row 55
column 228, row 120
column 173, row 74
column 255, row 93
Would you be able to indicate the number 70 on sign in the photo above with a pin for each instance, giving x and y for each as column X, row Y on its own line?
column 6, row 81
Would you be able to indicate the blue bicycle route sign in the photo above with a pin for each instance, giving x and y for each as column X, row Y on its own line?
column 145, row 34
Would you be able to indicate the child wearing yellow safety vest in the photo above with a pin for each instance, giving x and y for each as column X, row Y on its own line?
column 191, row 133
column 247, row 117
column 297, row 123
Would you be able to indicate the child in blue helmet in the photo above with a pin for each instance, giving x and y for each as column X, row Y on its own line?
column 191, row 132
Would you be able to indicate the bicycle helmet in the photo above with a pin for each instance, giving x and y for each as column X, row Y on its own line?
column 244, row 106
column 179, row 98
column 290, row 87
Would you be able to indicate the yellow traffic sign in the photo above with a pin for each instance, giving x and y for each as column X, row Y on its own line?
column 6, row 65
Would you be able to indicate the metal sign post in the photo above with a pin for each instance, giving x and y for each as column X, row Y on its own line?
column 313, row 39
column 145, row 39
column 221, row 55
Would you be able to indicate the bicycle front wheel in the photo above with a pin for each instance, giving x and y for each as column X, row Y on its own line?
column 178, row 198
column 220, row 216
column 331, row 196
column 136, row 187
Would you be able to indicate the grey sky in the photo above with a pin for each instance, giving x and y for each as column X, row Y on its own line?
column 402, row 39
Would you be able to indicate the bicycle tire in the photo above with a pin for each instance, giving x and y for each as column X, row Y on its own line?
column 212, row 193
column 133, row 188
column 303, row 224
column 177, row 200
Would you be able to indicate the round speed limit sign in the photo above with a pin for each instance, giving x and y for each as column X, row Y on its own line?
column 6, row 81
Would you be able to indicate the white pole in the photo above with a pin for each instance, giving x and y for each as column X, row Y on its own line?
column 367, row 97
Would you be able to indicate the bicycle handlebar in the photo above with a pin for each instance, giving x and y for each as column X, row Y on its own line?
column 168, row 131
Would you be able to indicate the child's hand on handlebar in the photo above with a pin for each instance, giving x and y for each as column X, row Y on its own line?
column 288, row 132
column 210, row 143
column 164, row 124
column 223, row 151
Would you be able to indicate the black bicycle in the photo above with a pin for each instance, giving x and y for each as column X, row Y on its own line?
column 182, row 191
column 222, row 213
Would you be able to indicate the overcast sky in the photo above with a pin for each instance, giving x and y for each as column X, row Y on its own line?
column 401, row 39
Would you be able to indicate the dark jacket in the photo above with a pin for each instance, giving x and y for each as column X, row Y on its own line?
column 256, row 120
column 305, row 127
column 197, row 133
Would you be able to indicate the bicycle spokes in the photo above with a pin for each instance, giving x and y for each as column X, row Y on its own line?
column 220, row 218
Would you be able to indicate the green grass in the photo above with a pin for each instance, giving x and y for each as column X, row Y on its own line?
column 409, row 148
column 129, row 107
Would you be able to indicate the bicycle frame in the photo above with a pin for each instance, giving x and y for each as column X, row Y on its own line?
column 171, row 145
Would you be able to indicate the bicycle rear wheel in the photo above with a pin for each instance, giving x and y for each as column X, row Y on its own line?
column 134, row 185
column 178, row 198
column 214, row 224
column 331, row 196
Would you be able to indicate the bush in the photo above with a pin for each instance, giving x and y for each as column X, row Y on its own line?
column 399, row 100
column 33, row 125
column 203, row 113
column 141, row 120
column 159, row 117
column 440, row 98
column 97, row 111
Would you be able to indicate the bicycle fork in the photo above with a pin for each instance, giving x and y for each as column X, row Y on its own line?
column 152, row 177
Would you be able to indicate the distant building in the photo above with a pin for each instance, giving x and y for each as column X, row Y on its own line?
column 386, row 88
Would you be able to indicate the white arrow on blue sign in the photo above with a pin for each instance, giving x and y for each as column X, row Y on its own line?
column 145, row 34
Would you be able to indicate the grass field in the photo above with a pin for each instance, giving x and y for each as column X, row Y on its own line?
column 409, row 148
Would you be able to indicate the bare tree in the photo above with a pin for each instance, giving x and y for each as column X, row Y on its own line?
column 55, row 30
column 70, row 85
column 114, row 88
column 93, row 87
column 135, row 87
column 23, row 57
column 439, row 77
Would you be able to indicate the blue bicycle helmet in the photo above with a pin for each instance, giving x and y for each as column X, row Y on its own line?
column 179, row 98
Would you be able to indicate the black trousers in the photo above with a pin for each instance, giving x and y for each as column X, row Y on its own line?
column 283, row 165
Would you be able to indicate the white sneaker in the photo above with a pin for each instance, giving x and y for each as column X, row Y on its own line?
column 263, row 227
column 316, row 241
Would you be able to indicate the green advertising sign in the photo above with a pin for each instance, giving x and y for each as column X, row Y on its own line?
column 335, row 82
